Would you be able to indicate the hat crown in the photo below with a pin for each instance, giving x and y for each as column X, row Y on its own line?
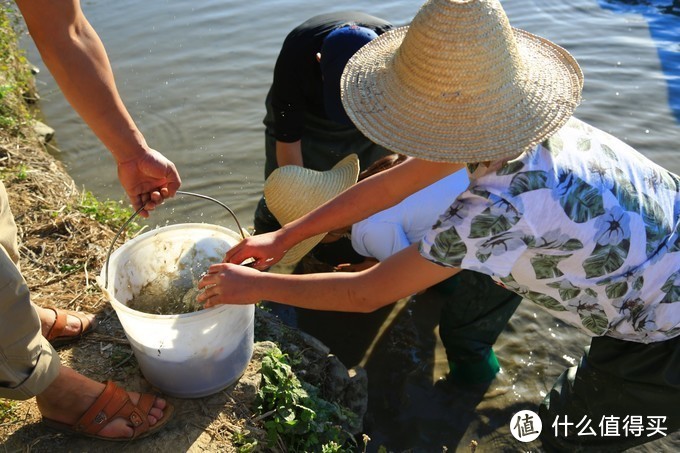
column 449, row 36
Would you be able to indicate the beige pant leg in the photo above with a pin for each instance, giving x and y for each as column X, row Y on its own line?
column 28, row 363
column 8, row 229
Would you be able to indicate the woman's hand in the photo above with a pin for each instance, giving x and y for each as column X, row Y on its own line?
column 228, row 284
column 265, row 249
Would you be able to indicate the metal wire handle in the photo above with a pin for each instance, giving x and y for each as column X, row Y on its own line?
column 179, row 192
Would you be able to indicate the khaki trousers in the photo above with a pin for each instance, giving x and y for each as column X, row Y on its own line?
column 28, row 363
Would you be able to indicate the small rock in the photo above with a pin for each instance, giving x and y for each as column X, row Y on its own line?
column 45, row 133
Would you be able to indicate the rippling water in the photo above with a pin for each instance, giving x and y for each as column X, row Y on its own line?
column 194, row 76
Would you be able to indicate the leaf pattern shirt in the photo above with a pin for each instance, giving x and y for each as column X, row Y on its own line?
column 582, row 225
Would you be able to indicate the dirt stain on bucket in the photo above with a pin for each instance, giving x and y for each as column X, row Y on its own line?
column 177, row 297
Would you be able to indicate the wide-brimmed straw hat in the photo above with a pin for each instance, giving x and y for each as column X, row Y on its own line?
column 292, row 191
column 460, row 85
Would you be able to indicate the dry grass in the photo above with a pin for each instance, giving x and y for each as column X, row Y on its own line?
column 60, row 247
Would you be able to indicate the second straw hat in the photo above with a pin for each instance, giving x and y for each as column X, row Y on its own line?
column 292, row 191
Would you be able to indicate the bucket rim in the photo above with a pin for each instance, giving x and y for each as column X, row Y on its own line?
column 175, row 226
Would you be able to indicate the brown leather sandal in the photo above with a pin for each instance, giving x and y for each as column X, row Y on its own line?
column 114, row 402
column 56, row 334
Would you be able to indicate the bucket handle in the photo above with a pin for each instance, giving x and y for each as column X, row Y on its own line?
column 179, row 192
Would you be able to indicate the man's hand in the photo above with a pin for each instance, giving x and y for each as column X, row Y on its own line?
column 148, row 180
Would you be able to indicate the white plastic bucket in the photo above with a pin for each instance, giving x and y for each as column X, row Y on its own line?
column 184, row 355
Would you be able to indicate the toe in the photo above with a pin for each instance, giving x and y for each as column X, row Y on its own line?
column 155, row 414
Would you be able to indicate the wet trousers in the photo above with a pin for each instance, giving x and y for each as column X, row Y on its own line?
column 475, row 312
column 28, row 363
column 620, row 395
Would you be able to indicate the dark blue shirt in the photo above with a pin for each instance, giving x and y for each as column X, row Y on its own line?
column 297, row 88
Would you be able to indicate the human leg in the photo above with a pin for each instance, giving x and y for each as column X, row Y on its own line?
column 620, row 390
column 59, row 324
column 77, row 404
column 29, row 365
column 475, row 313
column 62, row 327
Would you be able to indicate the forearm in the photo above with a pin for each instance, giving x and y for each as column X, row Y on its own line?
column 289, row 153
column 66, row 40
column 367, row 197
column 337, row 291
column 399, row 276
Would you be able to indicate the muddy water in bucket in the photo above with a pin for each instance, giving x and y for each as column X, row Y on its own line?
column 186, row 355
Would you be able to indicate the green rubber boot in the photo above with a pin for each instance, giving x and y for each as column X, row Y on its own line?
column 475, row 373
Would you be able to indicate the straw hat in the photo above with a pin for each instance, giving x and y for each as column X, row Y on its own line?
column 460, row 85
column 292, row 191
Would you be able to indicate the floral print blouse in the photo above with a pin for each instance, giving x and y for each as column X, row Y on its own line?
column 582, row 225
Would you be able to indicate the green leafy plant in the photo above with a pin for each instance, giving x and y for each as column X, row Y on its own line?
column 15, row 74
column 22, row 172
column 68, row 268
column 109, row 212
column 295, row 414
column 243, row 442
column 7, row 411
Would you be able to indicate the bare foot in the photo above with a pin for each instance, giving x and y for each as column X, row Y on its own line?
column 73, row 325
column 71, row 394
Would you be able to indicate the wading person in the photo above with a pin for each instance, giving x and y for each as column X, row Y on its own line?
column 29, row 365
column 557, row 211
column 475, row 310
column 306, row 124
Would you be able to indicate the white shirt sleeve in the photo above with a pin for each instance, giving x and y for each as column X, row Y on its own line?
column 392, row 230
column 379, row 240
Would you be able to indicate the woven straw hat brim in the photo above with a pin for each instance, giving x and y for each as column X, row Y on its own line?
column 460, row 86
column 292, row 191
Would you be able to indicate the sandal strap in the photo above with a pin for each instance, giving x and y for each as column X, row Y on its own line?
column 84, row 320
column 60, row 321
column 114, row 402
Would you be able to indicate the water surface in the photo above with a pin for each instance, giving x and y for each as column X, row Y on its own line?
column 194, row 76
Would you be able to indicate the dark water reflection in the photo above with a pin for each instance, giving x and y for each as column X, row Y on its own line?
column 194, row 76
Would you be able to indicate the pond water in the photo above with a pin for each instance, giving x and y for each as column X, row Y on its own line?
column 194, row 76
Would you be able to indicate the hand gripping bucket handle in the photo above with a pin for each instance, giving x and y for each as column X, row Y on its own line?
column 179, row 192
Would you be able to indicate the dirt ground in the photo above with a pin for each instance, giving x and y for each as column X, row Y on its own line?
column 61, row 252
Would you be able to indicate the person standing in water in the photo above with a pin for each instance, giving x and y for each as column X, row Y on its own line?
column 305, row 123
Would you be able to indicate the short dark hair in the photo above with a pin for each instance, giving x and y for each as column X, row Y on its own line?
column 382, row 164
